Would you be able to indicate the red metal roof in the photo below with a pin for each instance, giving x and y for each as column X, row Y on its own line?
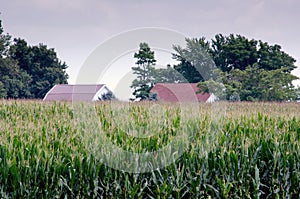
column 67, row 92
column 181, row 92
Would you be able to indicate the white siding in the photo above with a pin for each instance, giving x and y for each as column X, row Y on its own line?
column 212, row 98
column 102, row 91
column 48, row 92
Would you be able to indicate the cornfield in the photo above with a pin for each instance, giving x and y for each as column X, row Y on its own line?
column 60, row 150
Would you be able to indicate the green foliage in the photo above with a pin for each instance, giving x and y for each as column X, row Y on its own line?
column 153, row 96
column 4, row 41
column 250, row 70
column 3, row 93
column 271, row 57
column 213, row 86
column 41, row 64
column 168, row 75
column 195, row 64
column 144, row 71
column 238, row 52
column 255, row 154
column 15, row 81
column 27, row 71
column 107, row 96
column 233, row 52
column 298, row 94
column 263, row 85
column 252, row 84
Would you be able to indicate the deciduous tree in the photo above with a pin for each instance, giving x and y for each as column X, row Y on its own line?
column 196, row 64
column 41, row 63
column 249, row 69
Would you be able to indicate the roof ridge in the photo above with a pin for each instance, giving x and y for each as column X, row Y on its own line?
column 79, row 84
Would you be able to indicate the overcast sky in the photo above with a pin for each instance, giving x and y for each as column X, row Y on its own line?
column 75, row 28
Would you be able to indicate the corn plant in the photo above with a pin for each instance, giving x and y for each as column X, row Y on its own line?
column 252, row 151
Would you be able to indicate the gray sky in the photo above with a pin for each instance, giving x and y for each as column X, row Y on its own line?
column 75, row 28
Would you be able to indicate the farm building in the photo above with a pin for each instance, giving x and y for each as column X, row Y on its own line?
column 181, row 92
column 79, row 92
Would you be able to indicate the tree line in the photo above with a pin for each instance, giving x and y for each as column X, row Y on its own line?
column 232, row 67
column 28, row 71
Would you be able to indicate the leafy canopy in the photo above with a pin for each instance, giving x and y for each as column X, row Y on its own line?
column 28, row 71
column 246, row 69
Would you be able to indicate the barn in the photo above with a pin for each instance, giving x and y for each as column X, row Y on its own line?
column 181, row 92
column 78, row 92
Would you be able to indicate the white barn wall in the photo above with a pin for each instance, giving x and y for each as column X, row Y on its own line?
column 102, row 91
column 212, row 98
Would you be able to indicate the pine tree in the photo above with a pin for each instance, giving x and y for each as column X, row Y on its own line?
column 144, row 71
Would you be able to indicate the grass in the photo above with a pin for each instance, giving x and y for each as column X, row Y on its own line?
column 55, row 150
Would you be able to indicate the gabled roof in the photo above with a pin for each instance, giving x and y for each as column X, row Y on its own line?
column 79, row 92
column 181, row 92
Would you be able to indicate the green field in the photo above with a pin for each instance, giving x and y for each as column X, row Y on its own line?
column 227, row 150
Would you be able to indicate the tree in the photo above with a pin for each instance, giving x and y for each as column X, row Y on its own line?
column 276, row 85
column 144, row 71
column 107, row 96
column 273, row 58
column 41, row 64
column 252, row 84
column 249, row 69
column 213, row 86
column 196, row 64
column 298, row 93
column 238, row 52
column 4, row 42
column 13, row 81
column 168, row 75
column 233, row 52
column 27, row 71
